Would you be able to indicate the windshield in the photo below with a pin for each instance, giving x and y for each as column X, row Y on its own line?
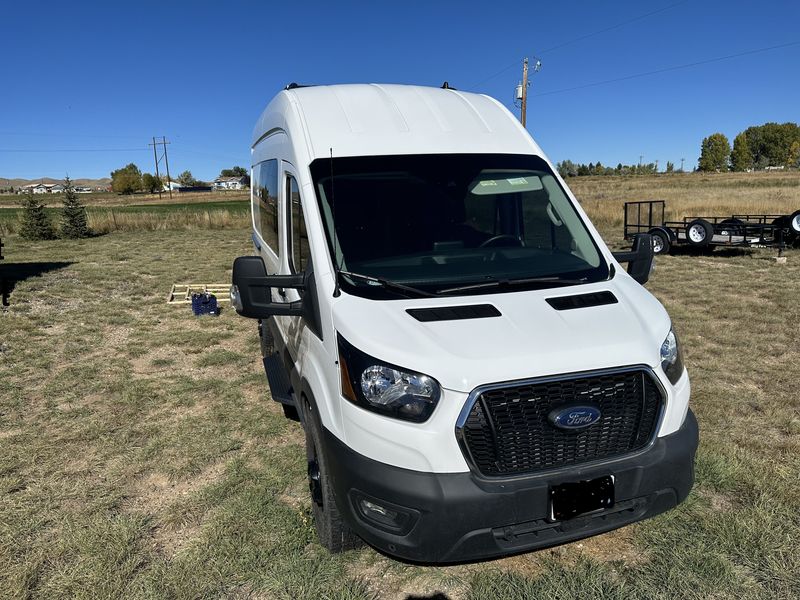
column 440, row 222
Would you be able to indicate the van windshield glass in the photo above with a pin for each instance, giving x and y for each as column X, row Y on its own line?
column 445, row 223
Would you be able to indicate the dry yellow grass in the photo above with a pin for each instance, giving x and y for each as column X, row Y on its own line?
column 112, row 199
column 108, row 221
column 689, row 194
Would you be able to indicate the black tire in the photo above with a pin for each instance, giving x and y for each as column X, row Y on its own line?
column 266, row 339
column 661, row 241
column 728, row 227
column 699, row 233
column 333, row 533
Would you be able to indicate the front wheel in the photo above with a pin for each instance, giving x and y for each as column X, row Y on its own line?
column 333, row 533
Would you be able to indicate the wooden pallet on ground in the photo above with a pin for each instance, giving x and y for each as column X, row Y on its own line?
column 181, row 293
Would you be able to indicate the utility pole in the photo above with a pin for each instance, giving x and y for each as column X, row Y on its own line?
column 155, row 159
column 521, row 91
column 682, row 164
column 524, row 112
column 166, row 161
column 641, row 156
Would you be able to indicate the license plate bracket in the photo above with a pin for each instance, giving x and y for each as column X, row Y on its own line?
column 572, row 499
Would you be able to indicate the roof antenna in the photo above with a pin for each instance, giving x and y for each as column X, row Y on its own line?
column 336, row 267
column 446, row 86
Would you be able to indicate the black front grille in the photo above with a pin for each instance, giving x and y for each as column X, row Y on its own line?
column 507, row 431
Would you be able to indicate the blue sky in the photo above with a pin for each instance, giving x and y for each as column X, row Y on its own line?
column 86, row 84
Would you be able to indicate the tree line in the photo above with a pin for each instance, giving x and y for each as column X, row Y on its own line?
column 130, row 179
column 567, row 168
column 772, row 145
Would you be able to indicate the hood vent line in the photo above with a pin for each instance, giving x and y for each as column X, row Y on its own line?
column 582, row 300
column 454, row 313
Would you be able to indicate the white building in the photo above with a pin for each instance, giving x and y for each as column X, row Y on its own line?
column 230, row 183
column 43, row 188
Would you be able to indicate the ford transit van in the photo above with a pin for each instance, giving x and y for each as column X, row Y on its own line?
column 475, row 372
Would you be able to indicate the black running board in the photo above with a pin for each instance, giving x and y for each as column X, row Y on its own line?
column 279, row 385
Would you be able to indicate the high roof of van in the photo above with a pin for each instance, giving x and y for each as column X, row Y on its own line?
column 381, row 119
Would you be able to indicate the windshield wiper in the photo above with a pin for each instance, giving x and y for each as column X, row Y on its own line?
column 392, row 285
column 493, row 283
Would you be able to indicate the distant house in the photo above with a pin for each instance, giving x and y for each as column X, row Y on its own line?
column 172, row 185
column 230, row 183
column 43, row 188
column 36, row 188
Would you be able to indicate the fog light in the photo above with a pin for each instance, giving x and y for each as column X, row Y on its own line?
column 384, row 515
column 387, row 516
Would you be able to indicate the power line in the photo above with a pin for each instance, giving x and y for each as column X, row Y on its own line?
column 583, row 37
column 75, row 150
column 667, row 69
column 225, row 157
column 70, row 135
column 612, row 27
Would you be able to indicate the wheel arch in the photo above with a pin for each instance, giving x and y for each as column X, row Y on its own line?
column 671, row 235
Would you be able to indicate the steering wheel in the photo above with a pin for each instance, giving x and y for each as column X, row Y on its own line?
column 503, row 236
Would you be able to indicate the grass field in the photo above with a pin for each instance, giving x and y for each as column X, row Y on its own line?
column 140, row 455
column 219, row 214
column 689, row 194
column 110, row 199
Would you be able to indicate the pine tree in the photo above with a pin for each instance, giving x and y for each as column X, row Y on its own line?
column 35, row 222
column 73, row 215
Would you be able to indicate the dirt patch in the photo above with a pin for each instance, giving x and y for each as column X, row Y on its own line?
column 152, row 493
column 388, row 579
column 719, row 502
column 295, row 496
column 615, row 546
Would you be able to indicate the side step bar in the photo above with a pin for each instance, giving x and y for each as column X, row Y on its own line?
column 279, row 385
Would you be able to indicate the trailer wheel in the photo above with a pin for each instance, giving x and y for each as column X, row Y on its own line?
column 699, row 233
column 661, row 242
column 730, row 227
column 794, row 221
column 333, row 533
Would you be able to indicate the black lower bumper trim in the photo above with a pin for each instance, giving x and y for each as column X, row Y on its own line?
column 461, row 517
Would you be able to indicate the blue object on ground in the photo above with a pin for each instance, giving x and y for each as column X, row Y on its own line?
column 204, row 304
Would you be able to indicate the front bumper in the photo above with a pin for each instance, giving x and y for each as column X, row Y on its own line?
column 457, row 517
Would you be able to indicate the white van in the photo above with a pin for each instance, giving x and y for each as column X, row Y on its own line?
column 475, row 373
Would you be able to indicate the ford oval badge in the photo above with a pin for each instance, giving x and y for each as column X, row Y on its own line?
column 574, row 417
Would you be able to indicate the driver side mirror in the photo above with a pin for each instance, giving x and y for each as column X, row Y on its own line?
column 640, row 257
column 251, row 292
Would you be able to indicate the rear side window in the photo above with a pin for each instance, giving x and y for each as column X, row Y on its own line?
column 297, row 226
column 265, row 190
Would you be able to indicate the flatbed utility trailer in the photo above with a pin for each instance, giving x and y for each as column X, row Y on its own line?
column 647, row 216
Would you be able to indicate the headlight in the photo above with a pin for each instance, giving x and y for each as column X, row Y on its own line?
column 385, row 388
column 671, row 358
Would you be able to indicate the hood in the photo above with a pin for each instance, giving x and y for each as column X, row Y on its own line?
column 529, row 339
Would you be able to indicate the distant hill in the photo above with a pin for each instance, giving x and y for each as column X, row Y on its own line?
column 103, row 182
